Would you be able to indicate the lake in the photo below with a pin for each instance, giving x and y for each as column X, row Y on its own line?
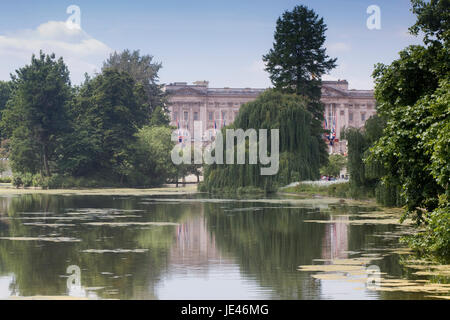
column 200, row 247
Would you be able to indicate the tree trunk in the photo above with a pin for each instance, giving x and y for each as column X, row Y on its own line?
column 46, row 167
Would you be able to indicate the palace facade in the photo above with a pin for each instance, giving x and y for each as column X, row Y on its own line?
column 209, row 109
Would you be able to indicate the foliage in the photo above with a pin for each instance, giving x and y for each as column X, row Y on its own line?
column 336, row 163
column 435, row 238
column 5, row 94
column 415, row 149
column 413, row 94
column 365, row 176
column 159, row 117
column 152, row 164
column 36, row 114
column 433, row 18
column 64, row 136
column 107, row 112
column 299, row 149
column 298, row 60
column 5, row 179
column 144, row 71
column 3, row 167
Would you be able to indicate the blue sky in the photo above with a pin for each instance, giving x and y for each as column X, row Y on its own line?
column 219, row 41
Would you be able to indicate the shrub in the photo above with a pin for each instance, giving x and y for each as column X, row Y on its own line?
column 17, row 180
column 435, row 238
column 5, row 180
column 27, row 179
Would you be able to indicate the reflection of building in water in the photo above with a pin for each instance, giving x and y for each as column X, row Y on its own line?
column 195, row 245
column 335, row 241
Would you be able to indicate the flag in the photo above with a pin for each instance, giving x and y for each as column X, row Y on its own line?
column 180, row 138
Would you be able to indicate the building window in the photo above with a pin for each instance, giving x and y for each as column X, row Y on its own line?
column 186, row 116
column 350, row 116
column 224, row 115
column 195, row 116
column 211, row 116
column 175, row 116
column 363, row 117
column 342, row 112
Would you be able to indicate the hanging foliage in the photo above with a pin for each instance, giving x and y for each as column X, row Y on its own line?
column 299, row 149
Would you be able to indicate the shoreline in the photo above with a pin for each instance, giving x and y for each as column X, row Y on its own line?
column 191, row 189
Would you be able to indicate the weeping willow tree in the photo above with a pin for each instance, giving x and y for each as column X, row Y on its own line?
column 299, row 151
column 368, row 177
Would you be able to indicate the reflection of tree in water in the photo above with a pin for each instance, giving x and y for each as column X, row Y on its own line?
column 38, row 266
column 270, row 245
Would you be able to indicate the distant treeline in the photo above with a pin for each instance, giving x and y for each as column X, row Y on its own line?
column 112, row 130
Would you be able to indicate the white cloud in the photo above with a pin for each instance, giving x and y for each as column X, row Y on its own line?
column 81, row 52
column 339, row 47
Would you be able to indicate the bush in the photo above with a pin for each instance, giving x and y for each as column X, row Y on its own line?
column 27, row 179
column 435, row 239
column 5, row 180
column 17, row 180
column 340, row 190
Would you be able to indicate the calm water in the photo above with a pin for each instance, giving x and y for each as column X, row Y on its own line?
column 201, row 248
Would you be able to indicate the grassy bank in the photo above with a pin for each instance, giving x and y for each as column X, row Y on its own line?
column 10, row 190
column 337, row 190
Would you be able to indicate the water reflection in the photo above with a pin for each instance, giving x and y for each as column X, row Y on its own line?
column 177, row 248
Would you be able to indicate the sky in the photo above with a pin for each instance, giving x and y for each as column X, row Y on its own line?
column 219, row 41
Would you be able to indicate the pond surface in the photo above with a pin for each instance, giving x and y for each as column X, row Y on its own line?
column 194, row 247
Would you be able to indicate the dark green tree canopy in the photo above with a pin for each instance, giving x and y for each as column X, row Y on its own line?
column 143, row 70
column 413, row 96
column 5, row 93
column 298, row 58
column 36, row 116
column 433, row 19
column 108, row 112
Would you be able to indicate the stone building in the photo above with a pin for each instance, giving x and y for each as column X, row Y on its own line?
column 209, row 109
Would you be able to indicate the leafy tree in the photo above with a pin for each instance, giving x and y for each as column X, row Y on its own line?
column 36, row 116
column 298, row 148
column 298, row 60
column 152, row 164
column 144, row 71
column 336, row 163
column 365, row 176
column 413, row 96
column 108, row 111
column 433, row 18
column 5, row 93
column 159, row 117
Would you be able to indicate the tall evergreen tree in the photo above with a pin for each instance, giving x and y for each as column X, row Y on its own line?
column 36, row 115
column 298, row 60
